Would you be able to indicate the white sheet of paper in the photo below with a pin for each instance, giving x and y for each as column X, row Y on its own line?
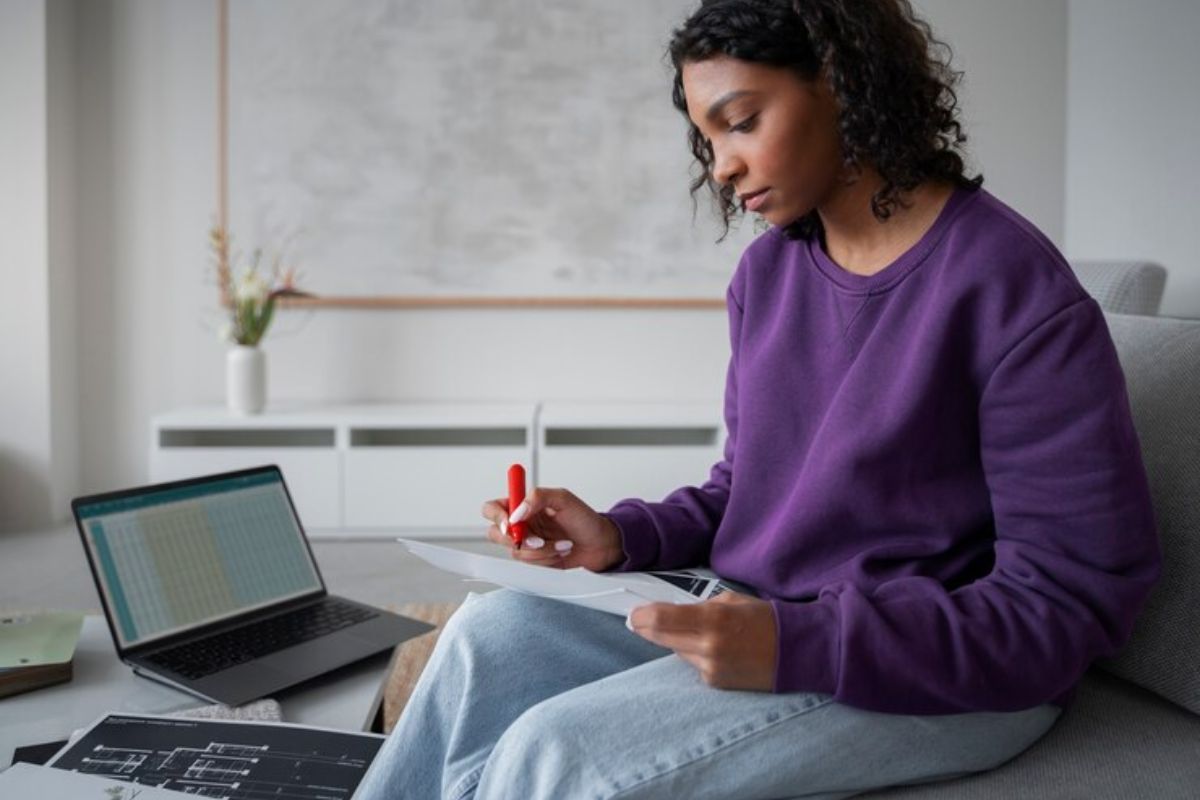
column 614, row 592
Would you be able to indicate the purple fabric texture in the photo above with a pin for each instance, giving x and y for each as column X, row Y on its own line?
column 931, row 472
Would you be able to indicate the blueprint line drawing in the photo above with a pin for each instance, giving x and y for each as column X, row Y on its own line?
column 223, row 759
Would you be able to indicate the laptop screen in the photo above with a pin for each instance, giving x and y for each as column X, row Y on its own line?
column 179, row 556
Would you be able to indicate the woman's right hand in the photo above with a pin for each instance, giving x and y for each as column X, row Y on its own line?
column 564, row 531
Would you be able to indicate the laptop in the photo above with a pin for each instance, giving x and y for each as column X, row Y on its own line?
column 209, row 585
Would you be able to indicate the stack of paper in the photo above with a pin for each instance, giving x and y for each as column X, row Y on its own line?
column 614, row 592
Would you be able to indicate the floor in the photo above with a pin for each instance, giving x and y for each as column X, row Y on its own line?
column 47, row 570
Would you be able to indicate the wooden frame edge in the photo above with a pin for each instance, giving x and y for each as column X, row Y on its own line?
column 422, row 301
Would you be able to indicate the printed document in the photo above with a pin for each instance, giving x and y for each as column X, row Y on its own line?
column 614, row 592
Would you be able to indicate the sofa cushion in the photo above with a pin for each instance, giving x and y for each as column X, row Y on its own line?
column 1161, row 360
column 1115, row 742
column 1123, row 287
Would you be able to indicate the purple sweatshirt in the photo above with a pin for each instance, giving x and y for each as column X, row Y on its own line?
column 931, row 472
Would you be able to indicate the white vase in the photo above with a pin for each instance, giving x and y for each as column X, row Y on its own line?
column 245, row 379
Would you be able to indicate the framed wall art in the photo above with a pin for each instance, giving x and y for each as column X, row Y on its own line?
column 406, row 153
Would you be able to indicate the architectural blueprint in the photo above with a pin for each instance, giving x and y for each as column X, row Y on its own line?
column 223, row 758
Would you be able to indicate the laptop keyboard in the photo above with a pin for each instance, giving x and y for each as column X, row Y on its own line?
column 207, row 656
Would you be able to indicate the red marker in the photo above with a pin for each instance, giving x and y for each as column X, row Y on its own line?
column 516, row 494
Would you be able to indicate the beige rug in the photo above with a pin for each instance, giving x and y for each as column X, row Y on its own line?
column 411, row 657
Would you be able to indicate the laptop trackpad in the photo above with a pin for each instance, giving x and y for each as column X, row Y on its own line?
column 244, row 683
column 319, row 656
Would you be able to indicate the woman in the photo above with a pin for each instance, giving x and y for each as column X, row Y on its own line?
column 931, row 480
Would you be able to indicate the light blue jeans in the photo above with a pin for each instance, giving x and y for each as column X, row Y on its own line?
column 535, row 699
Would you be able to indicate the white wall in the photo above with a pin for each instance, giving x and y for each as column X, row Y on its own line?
column 1013, row 97
column 147, row 307
column 146, row 120
column 62, row 252
column 39, row 437
column 25, row 419
column 1134, row 127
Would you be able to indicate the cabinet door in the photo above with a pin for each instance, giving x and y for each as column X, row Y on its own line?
column 428, row 482
column 604, row 464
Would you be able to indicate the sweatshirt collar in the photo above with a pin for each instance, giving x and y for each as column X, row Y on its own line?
column 896, row 271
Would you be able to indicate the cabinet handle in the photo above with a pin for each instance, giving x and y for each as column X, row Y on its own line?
column 631, row 437
column 246, row 437
column 438, row 437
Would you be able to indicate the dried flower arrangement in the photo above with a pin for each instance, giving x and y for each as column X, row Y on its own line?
column 249, row 292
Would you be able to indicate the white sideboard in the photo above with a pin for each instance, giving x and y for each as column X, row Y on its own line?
column 608, row 452
column 423, row 470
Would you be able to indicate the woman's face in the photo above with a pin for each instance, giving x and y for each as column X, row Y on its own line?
column 774, row 136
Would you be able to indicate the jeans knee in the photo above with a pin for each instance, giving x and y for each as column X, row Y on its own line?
column 539, row 752
column 503, row 612
column 491, row 622
column 484, row 610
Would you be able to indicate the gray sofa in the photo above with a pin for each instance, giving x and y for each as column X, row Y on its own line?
column 1133, row 731
column 1123, row 287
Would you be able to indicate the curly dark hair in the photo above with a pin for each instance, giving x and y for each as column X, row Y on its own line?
column 890, row 75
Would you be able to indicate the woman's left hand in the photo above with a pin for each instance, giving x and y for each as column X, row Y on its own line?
column 730, row 639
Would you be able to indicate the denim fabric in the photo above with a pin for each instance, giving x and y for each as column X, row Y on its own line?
column 530, row 698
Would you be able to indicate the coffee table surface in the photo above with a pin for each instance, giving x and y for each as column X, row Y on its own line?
column 347, row 699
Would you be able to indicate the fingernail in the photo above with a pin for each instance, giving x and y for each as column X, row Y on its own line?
column 550, row 512
column 564, row 545
column 535, row 542
column 519, row 512
column 629, row 620
column 504, row 527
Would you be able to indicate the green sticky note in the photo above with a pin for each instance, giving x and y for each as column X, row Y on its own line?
column 27, row 640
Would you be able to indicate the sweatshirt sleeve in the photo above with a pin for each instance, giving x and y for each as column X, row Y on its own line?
column 678, row 532
column 1076, row 552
